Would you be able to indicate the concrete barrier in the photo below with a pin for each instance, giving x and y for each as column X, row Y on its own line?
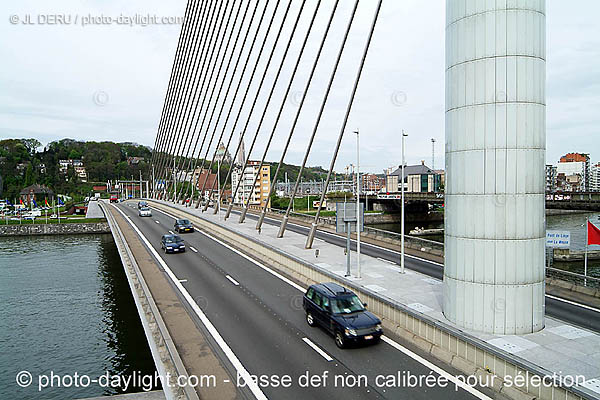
column 463, row 351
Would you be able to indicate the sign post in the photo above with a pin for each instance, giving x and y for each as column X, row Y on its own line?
column 346, row 221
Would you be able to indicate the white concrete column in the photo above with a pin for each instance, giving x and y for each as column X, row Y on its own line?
column 495, row 158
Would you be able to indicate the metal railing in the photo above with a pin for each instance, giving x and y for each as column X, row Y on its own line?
column 573, row 277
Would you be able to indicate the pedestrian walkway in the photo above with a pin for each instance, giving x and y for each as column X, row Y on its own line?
column 94, row 210
column 559, row 348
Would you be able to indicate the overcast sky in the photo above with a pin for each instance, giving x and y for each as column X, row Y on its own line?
column 108, row 82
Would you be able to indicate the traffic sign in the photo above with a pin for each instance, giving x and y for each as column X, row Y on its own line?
column 558, row 239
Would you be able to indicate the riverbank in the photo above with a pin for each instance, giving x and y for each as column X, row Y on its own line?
column 72, row 228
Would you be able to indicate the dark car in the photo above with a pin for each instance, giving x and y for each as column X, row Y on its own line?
column 183, row 225
column 172, row 244
column 142, row 204
column 341, row 312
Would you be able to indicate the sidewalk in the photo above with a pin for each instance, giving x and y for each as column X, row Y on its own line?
column 559, row 348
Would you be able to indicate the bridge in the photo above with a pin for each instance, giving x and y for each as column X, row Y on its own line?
column 566, row 201
column 229, row 310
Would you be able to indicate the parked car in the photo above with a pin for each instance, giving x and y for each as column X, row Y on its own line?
column 142, row 204
column 341, row 312
column 145, row 212
column 114, row 198
column 183, row 225
column 172, row 244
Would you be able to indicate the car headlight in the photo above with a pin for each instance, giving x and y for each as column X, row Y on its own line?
column 350, row 332
column 378, row 327
column 182, row 246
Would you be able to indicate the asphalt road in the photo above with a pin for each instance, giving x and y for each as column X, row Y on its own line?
column 567, row 311
column 260, row 317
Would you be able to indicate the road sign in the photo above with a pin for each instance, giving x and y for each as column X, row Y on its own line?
column 345, row 213
column 558, row 239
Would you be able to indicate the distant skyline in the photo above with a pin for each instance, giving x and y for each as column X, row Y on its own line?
column 108, row 82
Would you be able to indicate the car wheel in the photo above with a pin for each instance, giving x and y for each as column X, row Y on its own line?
column 339, row 340
column 310, row 320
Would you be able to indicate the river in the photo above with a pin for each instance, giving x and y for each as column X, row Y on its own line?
column 67, row 308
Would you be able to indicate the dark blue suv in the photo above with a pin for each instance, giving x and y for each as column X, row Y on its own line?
column 341, row 312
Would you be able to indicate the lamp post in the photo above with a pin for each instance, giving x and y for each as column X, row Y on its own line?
column 358, row 202
column 404, row 135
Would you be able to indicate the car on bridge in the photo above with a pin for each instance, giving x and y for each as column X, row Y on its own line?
column 183, row 225
column 114, row 198
column 172, row 244
column 341, row 312
column 142, row 204
column 145, row 212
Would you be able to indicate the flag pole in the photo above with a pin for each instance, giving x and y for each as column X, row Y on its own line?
column 585, row 263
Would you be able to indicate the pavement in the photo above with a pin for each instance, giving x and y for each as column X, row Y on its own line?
column 259, row 316
column 94, row 210
column 566, row 348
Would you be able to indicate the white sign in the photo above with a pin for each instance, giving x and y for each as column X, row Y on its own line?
column 558, row 239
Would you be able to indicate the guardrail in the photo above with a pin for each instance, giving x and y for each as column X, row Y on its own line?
column 573, row 277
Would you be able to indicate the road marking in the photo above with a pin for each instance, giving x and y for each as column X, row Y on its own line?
column 171, row 232
column 157, row 222
column 573, row 303
column 252, row 385
column 193, row 249
column 183, row 280
column 317, row 349
column 387, row 261
column 236, row 251
column 232, row 280
column 459, row 383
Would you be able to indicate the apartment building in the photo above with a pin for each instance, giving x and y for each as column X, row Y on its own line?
column 251, row 187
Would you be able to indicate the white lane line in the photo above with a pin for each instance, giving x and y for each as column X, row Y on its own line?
column 193, row 249
column 157, row 222
column 236, row 251
column 171, row 232
column 252, row 385
column 232, row 280
column 317, row 349
column 387, row 261
column 183, row 280
column 459, row 383
column 573, row 303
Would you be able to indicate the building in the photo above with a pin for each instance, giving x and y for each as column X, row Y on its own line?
column 595, row 178
column 370, row 183
column 576, row 169
column 551, row 178
column 36, row 192
column 417, row 179
column 134, row 160
column 251, row 187
column 222, row 154
column 207, row 180
column 63, row 167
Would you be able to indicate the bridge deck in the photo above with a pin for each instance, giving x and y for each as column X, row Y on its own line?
column 561, row 347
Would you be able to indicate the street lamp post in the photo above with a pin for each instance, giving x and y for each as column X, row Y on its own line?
column 404, row 135
column 358, row 202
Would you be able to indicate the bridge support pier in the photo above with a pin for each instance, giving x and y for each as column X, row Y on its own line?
column 495, row 156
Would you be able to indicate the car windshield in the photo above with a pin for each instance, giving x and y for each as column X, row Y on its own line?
column 346, row 305
column 145, row 209
column 173, row 239
column 183, row 222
